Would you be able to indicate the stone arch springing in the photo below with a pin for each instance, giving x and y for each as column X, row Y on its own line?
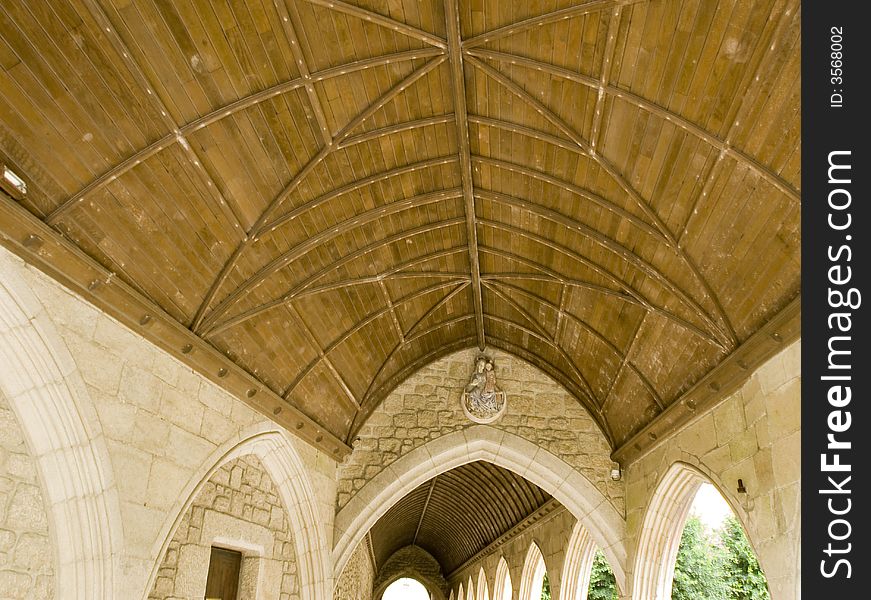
column 481, row 442
column 283, row 464
column 483, row 588
column 661, row 530
column 580, row 552
column 42, row 384
column 502, row 589
column 532, row 576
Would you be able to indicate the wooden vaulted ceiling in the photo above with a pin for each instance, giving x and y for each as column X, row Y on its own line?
column 457, row 514
column 335, row 194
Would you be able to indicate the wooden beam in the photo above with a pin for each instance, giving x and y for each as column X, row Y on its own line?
column 551, row 17
column 379, row 19
column 214, row 329
column 725, row 327
column 423, row 510
column 605, row 75
column 715, row 387
column 44, row 248
column 458, row 85
column 361, row 324
column 712, row 139
column 589, row 329
column 231, row 211
column 543, row 336
column 343, row 385
column 297, row 179
column 353, row 222
column 593, row 235
column 289, row 27
column 550, row 276
column 230, row 109
column 437, row 161
column 394, row 129
column 615, row 279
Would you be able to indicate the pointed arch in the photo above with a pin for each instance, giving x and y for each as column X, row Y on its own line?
column 578, row 566
column 532, row 576
column 42, row 384
column 482, row 442
column 483, row 588
column 289, row 475
column 663, row 525
column 460, row 594
column 502, row 589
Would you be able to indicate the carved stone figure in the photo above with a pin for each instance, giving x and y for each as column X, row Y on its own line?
column 483, row 401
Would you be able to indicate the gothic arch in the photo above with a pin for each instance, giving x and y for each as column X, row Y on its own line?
column 42, row 384
column 662, row 527
column 532, row 576
column 483, row 588
column 482, row 442
column 281, row 460
column 502, row 589
column 578, row 565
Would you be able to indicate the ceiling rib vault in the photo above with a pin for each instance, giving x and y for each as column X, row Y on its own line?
column 321, row 197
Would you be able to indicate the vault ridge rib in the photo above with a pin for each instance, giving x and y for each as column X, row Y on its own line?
column 458, row 84
column 724, row 327
column 325, row 151
column 225, row 111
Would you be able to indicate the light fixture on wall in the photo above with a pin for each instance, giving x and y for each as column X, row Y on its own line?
column 13, row 183
column 616, row 472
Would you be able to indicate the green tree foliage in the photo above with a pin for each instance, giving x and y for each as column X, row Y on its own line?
column 710, row 566
column 698, row 570
column 603, row 586
column 741, row 572
column 545, row 588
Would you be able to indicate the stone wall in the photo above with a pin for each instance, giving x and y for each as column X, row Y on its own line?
column 755, row 436
column 158, row 427
column 237, row 509
column 357, row 578
column 551, row 534
column 427, row 406
column 416, row 563
column 26, row 558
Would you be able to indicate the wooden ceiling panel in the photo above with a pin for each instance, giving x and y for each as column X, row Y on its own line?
column 576, row 43
column 346, row 96
column 670, row 368
column 333, row 194
column 457, row 514
column 201, row 57
column 263, row 147
column 321, row 396
column 628, row 406
column 67, row 99
column 343, row 34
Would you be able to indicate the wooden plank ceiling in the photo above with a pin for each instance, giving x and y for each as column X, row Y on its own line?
column 335, row 194
column 457, row 514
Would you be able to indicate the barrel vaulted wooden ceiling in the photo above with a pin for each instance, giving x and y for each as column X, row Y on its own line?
column 458, row 514
column 334, row 194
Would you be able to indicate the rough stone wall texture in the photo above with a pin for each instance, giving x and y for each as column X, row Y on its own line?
column 414, row 562
column 427, row 406
column 753, row 435
column 551, row 534
column 26, row 558
column 357, row 578
column 243, row 491
column 161, row 422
